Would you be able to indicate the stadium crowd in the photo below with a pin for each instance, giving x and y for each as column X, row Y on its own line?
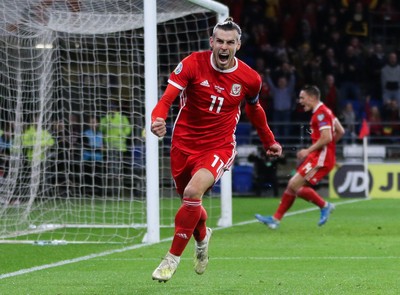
column 347, row 48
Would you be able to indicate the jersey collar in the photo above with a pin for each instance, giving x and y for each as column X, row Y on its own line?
column 223, row 71
column 317, row 106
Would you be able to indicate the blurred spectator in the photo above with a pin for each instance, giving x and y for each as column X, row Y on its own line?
column 308, row 24
column 329, row 94
column 92, row 141
column 389, row 11
column 375, row 125
column 357, row 20
column 330, row 63
column 36, row 141
column 351, row 71
column 116, row 128
column 301, row 57
column 375, row 61
column 260, row 65
column 348, row 119
column 336, row 42
column 285, row 69
column 235, row 9
column 329, row 23
column 391, row 118
column 272, row 10
column 289, row 27
column 390, row 79
column 63, row 160
column 369, row 4
column 313, row 72
column 281, row 51
column 73, row 133
column 93, row 157
column 265, row 98
column 358, row 46
column 283, row 99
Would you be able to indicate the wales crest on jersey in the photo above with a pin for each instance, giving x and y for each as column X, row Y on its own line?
column 236, row 89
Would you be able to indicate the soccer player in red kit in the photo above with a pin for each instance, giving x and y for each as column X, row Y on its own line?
column 212, row 85
column 316, row 160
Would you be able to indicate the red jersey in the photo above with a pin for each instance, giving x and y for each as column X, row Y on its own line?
column 323, row 118
column 210, row 102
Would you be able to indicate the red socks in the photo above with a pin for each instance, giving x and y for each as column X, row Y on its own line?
column 200, row 231
column 305, row 192
column 285, row 204
column 309, row 194
column 188, row 219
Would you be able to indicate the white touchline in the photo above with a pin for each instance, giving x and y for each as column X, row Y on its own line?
column 69, row 261
column 268, row 258
column 110, row 252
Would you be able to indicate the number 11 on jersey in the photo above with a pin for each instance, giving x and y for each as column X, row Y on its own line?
column 214, row 99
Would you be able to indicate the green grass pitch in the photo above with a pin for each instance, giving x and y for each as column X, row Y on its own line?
column 356, row 252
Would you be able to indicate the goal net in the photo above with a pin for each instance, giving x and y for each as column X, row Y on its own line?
column 72, row 116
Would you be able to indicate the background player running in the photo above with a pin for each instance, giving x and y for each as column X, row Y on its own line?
column 316, row 161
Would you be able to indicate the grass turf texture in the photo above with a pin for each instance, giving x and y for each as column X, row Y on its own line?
column 356, row 252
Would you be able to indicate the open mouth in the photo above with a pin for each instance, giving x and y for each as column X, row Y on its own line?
column 223, row 57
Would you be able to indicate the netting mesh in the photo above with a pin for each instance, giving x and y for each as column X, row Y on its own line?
column 72, row 152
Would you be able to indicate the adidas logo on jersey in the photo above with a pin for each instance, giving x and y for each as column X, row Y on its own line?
column 205, row 83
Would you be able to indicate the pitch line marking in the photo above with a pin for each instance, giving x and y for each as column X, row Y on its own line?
column 268, row 258
column 110, row 252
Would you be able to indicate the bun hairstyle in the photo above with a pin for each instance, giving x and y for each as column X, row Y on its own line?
column 228, row 25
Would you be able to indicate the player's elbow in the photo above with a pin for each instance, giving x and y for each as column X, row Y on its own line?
column 339, row 133
column 250, row 108
column 339, row 136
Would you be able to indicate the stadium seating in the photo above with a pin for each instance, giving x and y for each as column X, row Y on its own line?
column 242, row 179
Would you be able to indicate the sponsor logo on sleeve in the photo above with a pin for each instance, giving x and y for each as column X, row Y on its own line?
column 178, row 68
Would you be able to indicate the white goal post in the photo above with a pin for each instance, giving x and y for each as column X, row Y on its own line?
column 153, row 234
column 78, row 82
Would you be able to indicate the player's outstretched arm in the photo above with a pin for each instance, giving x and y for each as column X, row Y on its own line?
column 324, row 139
column 160, row 112
column 258, row 119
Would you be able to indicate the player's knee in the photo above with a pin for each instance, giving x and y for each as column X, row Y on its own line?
column 290, row 191
column 299, row 191
column 291, row 186
column 295, row 183
column 192, row 192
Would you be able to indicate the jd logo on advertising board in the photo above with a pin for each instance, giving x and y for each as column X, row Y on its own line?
column 349, row 181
